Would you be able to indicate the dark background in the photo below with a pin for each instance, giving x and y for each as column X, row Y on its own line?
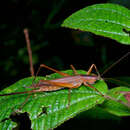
column 52, row 45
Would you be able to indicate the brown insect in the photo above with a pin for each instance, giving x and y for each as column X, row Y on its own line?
column 67, row 81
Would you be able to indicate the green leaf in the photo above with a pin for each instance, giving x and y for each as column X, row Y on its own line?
column 109, row 20
column 7, row 125
column 50, row 109
column 114, row 107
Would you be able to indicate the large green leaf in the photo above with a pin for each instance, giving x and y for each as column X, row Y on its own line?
column 49, row 109
column 109, row 20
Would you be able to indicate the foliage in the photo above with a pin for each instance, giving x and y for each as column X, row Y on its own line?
column 102, row 19
column 50, row 109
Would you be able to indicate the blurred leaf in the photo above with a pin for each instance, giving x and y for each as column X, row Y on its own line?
column 125, row 3
column 116, row 108
column 82, row 38
column 7, row 125
column 99, row 113
column 109, row 20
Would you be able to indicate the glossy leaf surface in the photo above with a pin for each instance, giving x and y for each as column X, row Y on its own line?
column 48, row 110
column 109, row 20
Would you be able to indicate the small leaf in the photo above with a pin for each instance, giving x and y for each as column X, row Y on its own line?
column 109, row 20
column 50, row 109
column 127, row 95
column 114, row 107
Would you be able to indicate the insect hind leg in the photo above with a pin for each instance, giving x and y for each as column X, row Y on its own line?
column 74, row 70
column 54, row 70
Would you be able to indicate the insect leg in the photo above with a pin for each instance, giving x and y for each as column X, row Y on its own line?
column 74, row 70
column 88, row 85
column 90, row 70
column 47, row 67
column 69, row 94
column 69, row 97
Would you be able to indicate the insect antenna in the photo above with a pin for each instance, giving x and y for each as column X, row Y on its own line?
column 116, row 80
column 29, row 51
column 115, row 63
column 111, row 66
